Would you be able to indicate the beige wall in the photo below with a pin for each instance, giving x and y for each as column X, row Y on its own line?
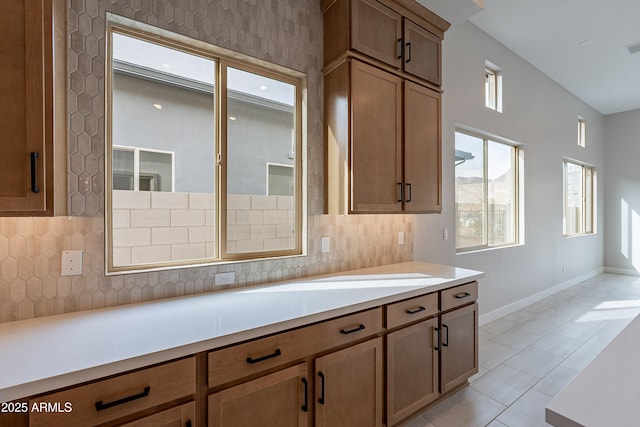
column 287, row 32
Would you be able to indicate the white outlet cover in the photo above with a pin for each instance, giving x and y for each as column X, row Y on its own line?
column 401, row 237
column 325, row 244
column 71, row 264
column 224, row 278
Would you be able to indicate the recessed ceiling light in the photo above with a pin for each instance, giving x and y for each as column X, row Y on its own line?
column 263, row 87
column 232, row 118
column 158, row 106
column 166, row 66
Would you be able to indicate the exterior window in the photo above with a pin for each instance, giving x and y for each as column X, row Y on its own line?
column 493, row 87
column 579, row 198
column 136, row 169
column 487, row 192
column 582, row 132
column 190, row 130
column 280, row 180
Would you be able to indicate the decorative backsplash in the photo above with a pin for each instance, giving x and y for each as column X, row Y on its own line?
column 30, row 256
column 286, row 32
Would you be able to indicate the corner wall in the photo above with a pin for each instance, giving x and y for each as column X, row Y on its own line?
column 622, row 193
column 541, row 115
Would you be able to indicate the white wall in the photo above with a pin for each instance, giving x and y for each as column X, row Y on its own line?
column 541, row 115
column 622, row 192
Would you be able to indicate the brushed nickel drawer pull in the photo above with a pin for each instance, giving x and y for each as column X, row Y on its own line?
column 102, row 406
column 416, row 310
column 462, row 295
column 276, row 353
column 350, row 331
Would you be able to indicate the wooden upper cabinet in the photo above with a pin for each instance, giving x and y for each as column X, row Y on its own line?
column 421, row 56
column 376, row 146
column 27, row 99
column 382, row 106
column 422, row 156
column 376, row 31
column 400, row 34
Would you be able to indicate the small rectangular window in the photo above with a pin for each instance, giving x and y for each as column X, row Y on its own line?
column 579, row 198
column 582, row 132
column 493, row 87
column 486, row 192
column 137, row 169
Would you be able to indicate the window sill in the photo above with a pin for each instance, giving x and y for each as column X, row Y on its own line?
column 571, row 236
column 483, row 249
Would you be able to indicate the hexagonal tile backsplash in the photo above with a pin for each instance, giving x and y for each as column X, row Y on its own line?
column 286, row 32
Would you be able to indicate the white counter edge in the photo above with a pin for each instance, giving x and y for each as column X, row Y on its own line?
column 43, row 385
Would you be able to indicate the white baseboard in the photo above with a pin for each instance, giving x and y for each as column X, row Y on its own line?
column 626, row 271
column 515, row 306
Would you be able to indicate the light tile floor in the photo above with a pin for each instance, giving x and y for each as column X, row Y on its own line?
column 528, row 356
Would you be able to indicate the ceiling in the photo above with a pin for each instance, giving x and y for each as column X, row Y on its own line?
column 581, row 44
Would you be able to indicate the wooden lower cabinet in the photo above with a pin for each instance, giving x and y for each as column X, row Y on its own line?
column 412, row 369
column 180, row 416
column 280, row 399
column 348, row 389
column 107, row 400
column 459, row 356
column 328, row 374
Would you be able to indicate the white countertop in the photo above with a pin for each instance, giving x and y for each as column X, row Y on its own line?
column 47, row 353
column 607, row 392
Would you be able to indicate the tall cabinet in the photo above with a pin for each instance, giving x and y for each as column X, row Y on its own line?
column 32, row 108
column 382, row 111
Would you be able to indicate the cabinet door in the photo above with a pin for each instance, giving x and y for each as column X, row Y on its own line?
column 412, row 369
column 459, row 346
column 22, row 105
column 376, row 31
column 376, row 140
column 280, row 399
column 421, row 53
column 180, row 416
column 349, row 386
column 422, row 149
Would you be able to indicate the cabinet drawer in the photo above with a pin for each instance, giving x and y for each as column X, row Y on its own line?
column 407, row 311
column 256, row 356
column 458, row 296
column 180, row 416
column 112, row 398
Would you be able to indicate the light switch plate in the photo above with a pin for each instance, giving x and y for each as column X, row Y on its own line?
column 400, row 237
column 325, row 244
column 71, row 263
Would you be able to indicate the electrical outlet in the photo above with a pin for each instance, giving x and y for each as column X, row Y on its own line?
column 225, row 278
column 71, row 263
column 325, row 244
column 400, row 237
column 445, row 234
